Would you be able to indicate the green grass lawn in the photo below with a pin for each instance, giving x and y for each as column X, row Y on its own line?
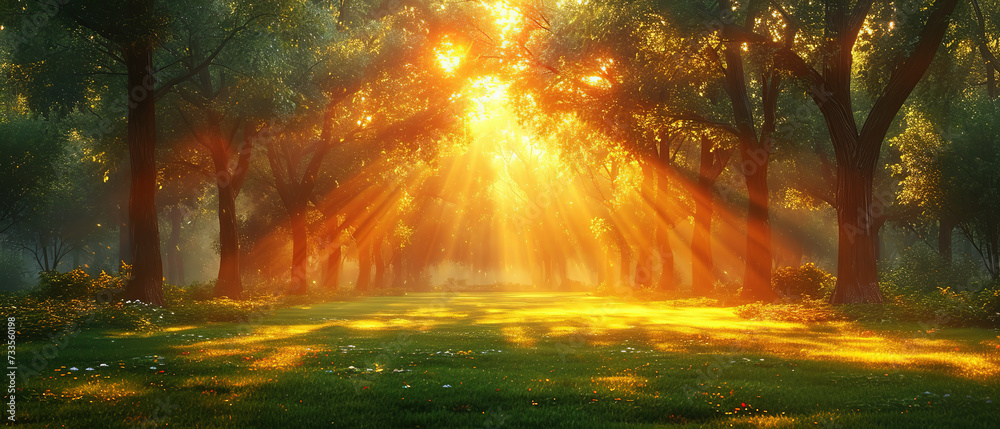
column 480, row 360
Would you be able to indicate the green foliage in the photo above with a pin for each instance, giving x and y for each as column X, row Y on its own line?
column 200, row 291
column 990, row 302
column 921, row 286
column 29, row 147
column 806, row 311
column 129, row 316
column 919, row 270
column 728, row 289
column 40, row 318
column 77, row 284
column 804, row 282
column 218, row 310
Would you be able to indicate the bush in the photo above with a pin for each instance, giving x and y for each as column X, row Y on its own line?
column 806, row 311
column 805, row 282
column 40, row 318
column 77, row 284
column 920, row 286
column 990, row 304
column 130, row 316
column 728, row 290
column 920, row 271
column 201, row 291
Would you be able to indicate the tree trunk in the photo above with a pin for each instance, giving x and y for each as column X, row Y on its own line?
column 757, row 275
column 334, row 261
column 229, row 283
column 300, row 250
column 646, row 255
column 702, row 264
column 665, row 225
column 857, row 280
column 364, row 268
column 397, row 268
column 755, row 156
column 946, row 227
column 712, row 164
column 146, row 281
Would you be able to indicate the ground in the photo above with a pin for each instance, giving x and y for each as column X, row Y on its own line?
column 489, row 360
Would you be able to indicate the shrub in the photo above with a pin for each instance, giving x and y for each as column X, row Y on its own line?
column 38, row 319
column 806, row 311
column 920, row 286
column 77, row 284
column 130, row 316
column 728, row 290
column 805, row 282
column 989, row 300
column 200, row 291
column 920, row 271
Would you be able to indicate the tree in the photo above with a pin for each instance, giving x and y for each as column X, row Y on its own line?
column 857, row 147
column 713, row 162
column 29, row 147
column 969, row 182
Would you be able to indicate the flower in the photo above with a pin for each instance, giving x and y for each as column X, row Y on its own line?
column 74, row 368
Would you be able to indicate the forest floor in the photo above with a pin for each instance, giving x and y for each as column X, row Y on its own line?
column 516, row 360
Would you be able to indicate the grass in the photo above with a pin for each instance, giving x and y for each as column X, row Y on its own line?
column 514, row 360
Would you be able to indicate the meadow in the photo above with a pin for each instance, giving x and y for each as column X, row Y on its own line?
column 489, row 360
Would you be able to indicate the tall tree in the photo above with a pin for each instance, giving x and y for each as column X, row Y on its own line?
column 857, row 147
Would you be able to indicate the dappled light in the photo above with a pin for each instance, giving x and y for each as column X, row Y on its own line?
column 500, row 213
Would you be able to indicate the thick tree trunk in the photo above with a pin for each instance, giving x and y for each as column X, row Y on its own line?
column 755, row 154
column 229, row 283
column 146, row 282
column 757, row 275
column 300, row 251
column 857, row 279
column 712, row 164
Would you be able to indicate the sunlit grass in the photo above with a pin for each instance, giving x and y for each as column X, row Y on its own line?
column 519, row 360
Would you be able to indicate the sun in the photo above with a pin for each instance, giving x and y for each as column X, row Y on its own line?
column 449, row 56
